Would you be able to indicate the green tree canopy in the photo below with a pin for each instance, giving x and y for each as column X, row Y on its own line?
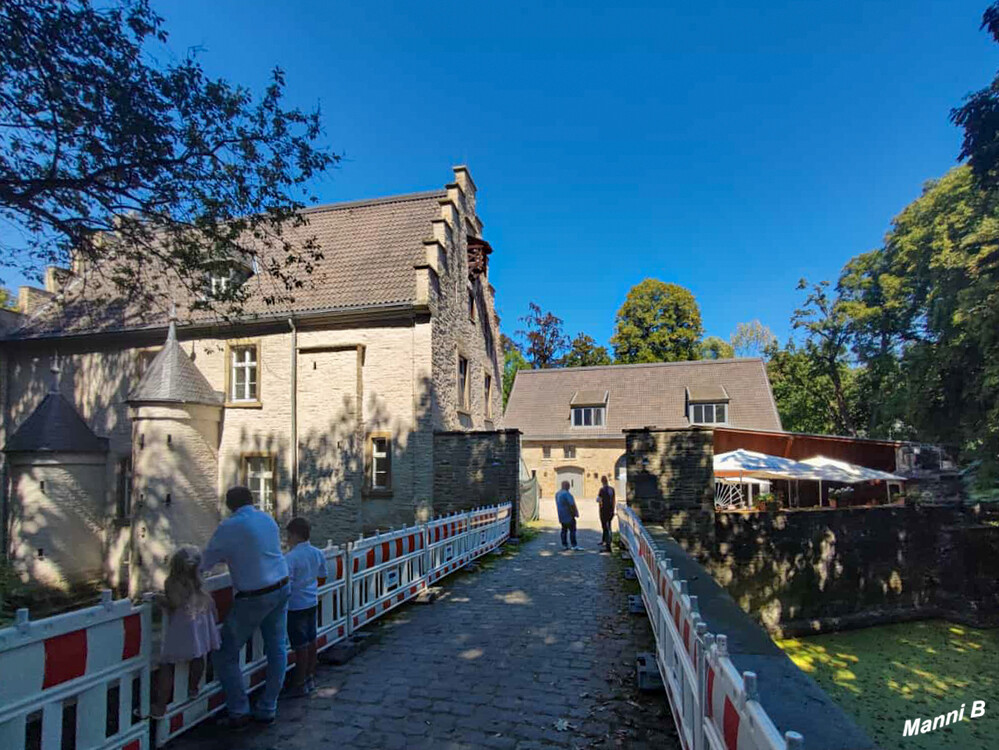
column 752, row 339
column 803, row 393
column 513, row 360
column 715, row 347
column 658, row 322
column 584, row 352
column 125, row 164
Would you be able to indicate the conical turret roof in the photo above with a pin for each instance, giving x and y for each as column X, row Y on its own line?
column 55, row 427
column 173, row 377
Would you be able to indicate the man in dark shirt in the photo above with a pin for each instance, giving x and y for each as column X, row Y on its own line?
column 606, row 499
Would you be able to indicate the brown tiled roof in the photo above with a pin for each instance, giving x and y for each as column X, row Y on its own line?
column 369, row 247
column 706, row 392
column 639, row 396
column 173, row 377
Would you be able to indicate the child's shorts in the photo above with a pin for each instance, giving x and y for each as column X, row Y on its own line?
column 301, row 627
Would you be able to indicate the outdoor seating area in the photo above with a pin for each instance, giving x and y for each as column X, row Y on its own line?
column 748, row 480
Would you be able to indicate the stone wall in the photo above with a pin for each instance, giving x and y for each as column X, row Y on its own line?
column 476, row 468
column 671, row 478
column 808, row 570
column 456, row 332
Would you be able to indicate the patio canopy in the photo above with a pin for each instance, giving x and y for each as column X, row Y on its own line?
column 834, row 470
column 743, row 463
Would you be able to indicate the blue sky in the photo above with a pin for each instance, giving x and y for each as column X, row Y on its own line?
column 723, row 146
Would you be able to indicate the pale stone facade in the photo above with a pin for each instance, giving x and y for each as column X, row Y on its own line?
column 593, row 458
column 327, row 386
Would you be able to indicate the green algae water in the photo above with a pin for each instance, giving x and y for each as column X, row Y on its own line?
column 887, row 675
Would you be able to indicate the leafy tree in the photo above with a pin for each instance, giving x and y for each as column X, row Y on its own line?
column 154, row 176
column 584, row 352
column 658, row 322
column 8, row 300
column 545, row 339
column 827, row 330
column 715, row 347
column 513, row 360
column 752, row 339
column 979, row 117
column 941, row 280
column 804, row 395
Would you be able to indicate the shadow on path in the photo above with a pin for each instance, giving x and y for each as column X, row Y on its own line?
column 536, row 636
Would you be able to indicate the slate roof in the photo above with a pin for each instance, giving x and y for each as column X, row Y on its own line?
column 639, row 396
column 173, row 377
column 369, row 247
column 55, row 427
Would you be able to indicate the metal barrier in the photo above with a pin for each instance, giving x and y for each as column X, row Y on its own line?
column 182, row 712
column 385, row 571
column 82, row 675
column 713, row 706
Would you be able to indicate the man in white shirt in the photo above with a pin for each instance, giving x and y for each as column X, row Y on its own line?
column 249, row 542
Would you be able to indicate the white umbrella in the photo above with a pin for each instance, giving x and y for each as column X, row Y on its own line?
column 762, row 466
column 834, row 470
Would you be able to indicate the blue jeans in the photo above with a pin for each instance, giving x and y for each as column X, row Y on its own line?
column 571, row 528
column 269, row 612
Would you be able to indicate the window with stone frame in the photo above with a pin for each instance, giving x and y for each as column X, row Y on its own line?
column 123, row 492
column 464, row 396
column 546, row 451
column 380, row 462
column 259, row 475
column 568, row 451
column 243, row 374
column 471, row 304
column 487, row 392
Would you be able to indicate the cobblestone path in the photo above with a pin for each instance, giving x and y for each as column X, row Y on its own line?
column 535, row 636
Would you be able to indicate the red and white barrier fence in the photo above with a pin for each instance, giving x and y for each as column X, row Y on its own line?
column 82, row 675
column 84, row 678
column 713, row 706
column 386, row 570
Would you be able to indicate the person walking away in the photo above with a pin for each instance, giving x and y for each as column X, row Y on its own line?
column 305, row 565
column 190, row 633
column 249, row 543
column 605, row 498
column 565, row 503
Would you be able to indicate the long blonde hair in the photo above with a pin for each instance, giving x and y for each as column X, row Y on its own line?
column 183, row 584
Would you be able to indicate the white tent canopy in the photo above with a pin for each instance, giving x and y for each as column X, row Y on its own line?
column 743, row 463
column 834, row 470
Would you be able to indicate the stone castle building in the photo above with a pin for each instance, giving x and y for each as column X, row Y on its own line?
column 122, row 424
column 572, row 420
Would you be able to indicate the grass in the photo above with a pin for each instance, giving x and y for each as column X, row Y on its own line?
column 886, row 675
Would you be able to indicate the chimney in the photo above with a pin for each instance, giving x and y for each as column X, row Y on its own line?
column 30, row 299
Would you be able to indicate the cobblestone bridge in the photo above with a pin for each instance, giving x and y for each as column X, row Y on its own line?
column 534, row 650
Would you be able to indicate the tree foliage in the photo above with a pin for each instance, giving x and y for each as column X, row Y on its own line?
column 513, row 360
column 906, row 344
column 752, row 339
column 658, row 322
column 584, row 352
column 979, row 118
column 154, row 176
column 544, row 337
column 715, row 347
column 803, row 392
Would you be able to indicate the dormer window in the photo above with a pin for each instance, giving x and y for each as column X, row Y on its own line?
column 707, row 404
column 223, row 281
column 589, row 408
